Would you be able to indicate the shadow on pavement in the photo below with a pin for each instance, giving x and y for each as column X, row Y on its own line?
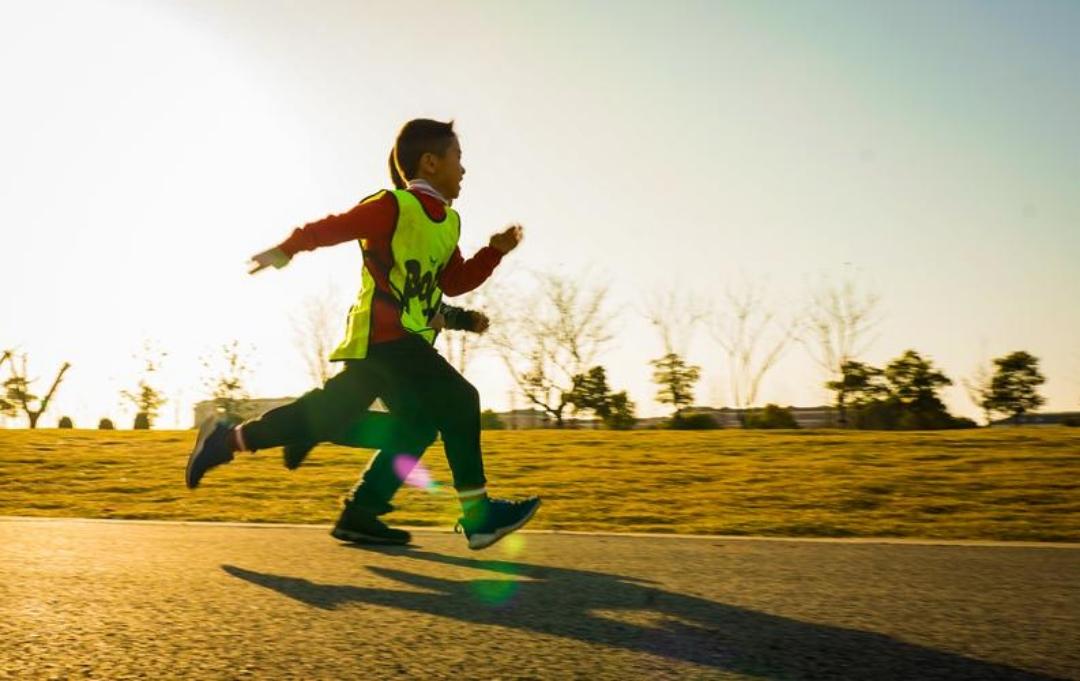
column 627, row 613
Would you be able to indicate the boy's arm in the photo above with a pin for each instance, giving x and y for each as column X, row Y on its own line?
column 372, row 218
column 461, row 276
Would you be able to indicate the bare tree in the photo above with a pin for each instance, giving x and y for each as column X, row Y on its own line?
column 555, row 337
column 316, row 328
column 675, row 315
column 837, row 322
column 147, row 399
column 978, row 388
column 753, row 338
column 226, row 378
column 17, row 389
column 6, row 408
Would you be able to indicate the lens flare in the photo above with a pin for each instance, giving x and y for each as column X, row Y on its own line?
column 513, row 545
column 412, row 472
column 498, row 591
column 495, row 592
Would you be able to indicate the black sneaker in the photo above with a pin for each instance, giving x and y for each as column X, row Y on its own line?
column 294, row 454
column 361, row 526
column 494, row 519
column 213, row 447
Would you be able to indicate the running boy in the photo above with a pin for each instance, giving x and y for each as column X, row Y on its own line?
column 408, row 240
column 373, row 427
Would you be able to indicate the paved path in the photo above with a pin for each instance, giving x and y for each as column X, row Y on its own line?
column 116, row 600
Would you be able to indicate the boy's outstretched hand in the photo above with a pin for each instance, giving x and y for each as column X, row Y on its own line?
column 507, row 240
column 478, row 321
column 275, row 257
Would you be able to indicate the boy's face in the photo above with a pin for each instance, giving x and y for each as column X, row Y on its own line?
column 445, row 172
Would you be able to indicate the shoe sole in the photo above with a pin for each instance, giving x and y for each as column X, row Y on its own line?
column 482, row 541
column 207, row 427
column 361, row 538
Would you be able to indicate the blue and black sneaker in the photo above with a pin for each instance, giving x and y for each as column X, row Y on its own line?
column 493, row 519
column 213, row 447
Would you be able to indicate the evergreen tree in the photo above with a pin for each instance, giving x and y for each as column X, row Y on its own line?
column 1014, row 386
column 591, row 393
column 621, row 412
column 676, row 380
column 859, row 385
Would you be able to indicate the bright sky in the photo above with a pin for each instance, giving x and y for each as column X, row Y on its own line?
column 147, row 149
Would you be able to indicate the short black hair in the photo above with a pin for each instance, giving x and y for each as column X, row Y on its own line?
column 395, row 176
column 418, row 137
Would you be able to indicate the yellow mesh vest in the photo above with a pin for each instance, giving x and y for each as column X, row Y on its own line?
column 421, row 247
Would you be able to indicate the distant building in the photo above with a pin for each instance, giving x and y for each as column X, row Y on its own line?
column 521, row 419
column 245, row 408
column 725, row 417
column 649, row 422
column 814, row 417
column 1049, row 418
column 525, row 419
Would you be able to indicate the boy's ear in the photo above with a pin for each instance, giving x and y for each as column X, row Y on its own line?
column 427, row 162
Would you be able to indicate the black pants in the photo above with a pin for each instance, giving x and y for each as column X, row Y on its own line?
column 425, row 396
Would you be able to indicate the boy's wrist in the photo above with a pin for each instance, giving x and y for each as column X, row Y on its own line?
column 451, row 317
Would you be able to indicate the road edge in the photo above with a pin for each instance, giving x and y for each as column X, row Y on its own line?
column 585, row 533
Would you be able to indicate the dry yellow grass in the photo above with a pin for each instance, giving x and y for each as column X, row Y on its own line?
column 982, row 484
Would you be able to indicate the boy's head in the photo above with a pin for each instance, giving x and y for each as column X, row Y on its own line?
column 428, row 150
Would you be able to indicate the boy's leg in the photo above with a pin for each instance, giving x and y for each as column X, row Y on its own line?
column 403, row 436
column 318, row 415
column 425, row 388
column 373, row 430
column 452, row 405
column 409, row 429
column 400, row 445
column 315, row 416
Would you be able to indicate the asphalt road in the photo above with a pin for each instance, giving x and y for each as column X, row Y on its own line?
column 118, row 600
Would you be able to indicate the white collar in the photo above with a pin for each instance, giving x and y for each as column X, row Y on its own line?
column 424, row 187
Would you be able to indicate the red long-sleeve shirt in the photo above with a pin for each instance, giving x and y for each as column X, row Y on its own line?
column 373, row 221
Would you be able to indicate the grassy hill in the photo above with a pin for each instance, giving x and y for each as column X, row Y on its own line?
column 1000, row 483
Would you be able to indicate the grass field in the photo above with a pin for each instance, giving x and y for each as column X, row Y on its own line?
column 1018, row 484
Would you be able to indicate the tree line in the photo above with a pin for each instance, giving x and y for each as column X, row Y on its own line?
column 550, row 347
column 551, row 343
column 224, row 381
